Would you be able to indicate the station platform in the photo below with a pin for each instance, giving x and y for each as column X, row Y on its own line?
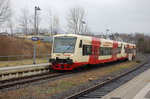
column 137, row 88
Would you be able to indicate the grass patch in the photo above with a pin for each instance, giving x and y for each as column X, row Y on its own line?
column 60, row 86
column 118, row 67
column 39, row 92
column 12, row 47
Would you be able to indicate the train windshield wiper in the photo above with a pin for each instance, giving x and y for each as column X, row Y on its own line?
column 68, row 48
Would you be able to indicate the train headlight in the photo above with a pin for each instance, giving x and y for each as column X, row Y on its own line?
column 71, row 55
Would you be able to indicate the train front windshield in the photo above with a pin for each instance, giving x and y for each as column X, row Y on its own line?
column 64, row 44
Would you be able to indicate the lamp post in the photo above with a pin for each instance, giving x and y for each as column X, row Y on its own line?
column 107, row 33
column 83, row 22
column 35, row 32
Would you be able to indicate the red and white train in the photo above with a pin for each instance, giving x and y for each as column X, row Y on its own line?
column 71, row 51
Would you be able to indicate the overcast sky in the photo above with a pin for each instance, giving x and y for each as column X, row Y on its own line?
column 117, row 15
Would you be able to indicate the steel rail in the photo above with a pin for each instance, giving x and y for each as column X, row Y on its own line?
column 29, row 79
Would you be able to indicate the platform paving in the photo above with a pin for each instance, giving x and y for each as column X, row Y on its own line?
column 137, row 88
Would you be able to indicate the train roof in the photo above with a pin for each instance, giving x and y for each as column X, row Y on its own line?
column 87, row 37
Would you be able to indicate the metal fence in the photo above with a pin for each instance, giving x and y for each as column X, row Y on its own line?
column 23, row 57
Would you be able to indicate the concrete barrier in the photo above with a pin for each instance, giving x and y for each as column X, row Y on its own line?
column 25, row 70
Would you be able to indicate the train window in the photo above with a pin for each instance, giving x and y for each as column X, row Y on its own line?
column 105, row 51
column 80, row 45
column 101, row 51
column 130, row 51
column 87, row 50
column 119, row 50
column 126, row 50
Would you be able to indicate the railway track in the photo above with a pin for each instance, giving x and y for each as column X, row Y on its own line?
column 101, row 89
column 28, row 79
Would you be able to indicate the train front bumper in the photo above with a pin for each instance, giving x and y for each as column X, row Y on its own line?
column 62, row 64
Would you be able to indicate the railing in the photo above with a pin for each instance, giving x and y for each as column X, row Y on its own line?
column 23, row 57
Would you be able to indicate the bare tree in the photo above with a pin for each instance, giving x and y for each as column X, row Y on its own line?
column 142, row 41
column 75, row 20
column 53, row 22
column 24, row 21
column 50, row 20
column 56, row 27
column 10, row 26
column 10, row 23
column 4, row 10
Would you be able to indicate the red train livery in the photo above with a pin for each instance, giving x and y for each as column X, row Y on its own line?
column 70, row 51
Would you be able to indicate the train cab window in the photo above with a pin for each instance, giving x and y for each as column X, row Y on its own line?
column 64, row 44
column 87, row 50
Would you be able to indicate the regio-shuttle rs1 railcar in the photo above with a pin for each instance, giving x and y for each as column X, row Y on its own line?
column 70, row 51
